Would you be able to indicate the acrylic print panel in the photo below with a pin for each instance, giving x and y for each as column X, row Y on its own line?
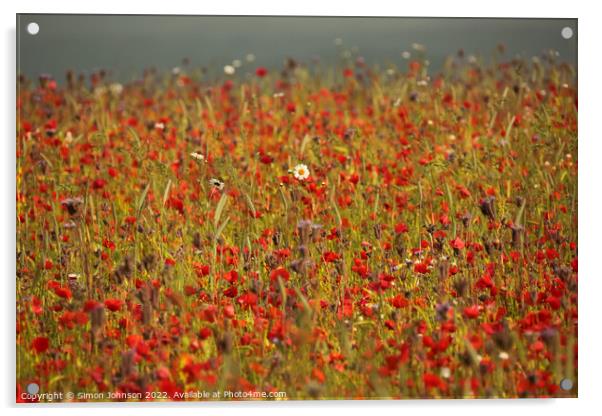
column 295, row 208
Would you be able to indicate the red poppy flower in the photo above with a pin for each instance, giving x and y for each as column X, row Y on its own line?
column 231, row 292
column 200, row 269
column 457, row 243
column 330, row 256
column 98, row 183
column 279, row 272
column 399, row 301
column 205, row 333
column 421, row 268
column 472, row 312
column 432, row 381
column 113, row 304
column 231, row 276
column 108, row 244
column 63, row 292
column 40, row 344
column 91, row 304
column 261, row 72
column 266, row 159
column 249, row 299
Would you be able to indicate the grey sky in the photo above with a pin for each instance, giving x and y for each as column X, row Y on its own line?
column 128, row 44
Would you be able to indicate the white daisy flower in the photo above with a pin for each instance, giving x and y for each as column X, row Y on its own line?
column 197, row 156
column 301, row 172
column 216, row 183
column 418, row 47
column 229, row 70
column 100, row 91
column 116, row 88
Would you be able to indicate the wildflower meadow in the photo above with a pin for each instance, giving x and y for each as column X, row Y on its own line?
column 308, row 231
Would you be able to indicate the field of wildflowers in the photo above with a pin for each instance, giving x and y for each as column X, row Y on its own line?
column 348, row 232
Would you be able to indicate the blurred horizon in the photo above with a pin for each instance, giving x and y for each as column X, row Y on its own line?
column 126, row 45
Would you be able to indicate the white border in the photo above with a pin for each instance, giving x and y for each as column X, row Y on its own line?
column 590, row 203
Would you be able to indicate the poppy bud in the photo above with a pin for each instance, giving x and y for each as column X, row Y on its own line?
column 487, row 207
column 466, row 219
column 399, row 246
column 517, row 235
column 224, row 343
column 127, row 363
column 443, row 269
column 277, row 238
column 503, row 339
column 377, row 231
column 442, row 310
column 97, row 320
column 460, row 287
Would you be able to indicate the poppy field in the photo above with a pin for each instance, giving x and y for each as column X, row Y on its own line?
column 345, row 231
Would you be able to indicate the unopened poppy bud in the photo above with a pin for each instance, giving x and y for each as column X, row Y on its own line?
column 487, row 207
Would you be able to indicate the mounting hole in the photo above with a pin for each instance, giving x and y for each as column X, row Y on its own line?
column 566, row 384
column 566, row 32
column 33, row 388
column 33, row 28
